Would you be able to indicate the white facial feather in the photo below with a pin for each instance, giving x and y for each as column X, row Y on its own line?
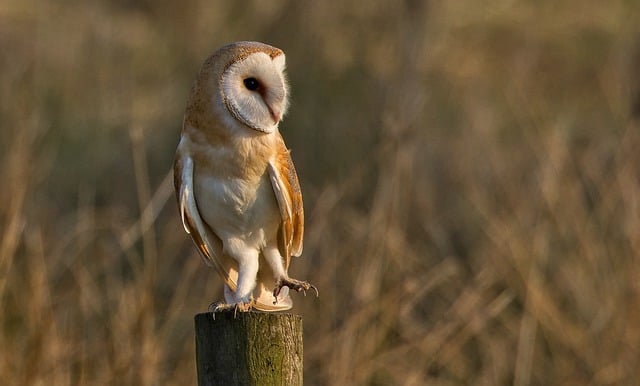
column 259, row 109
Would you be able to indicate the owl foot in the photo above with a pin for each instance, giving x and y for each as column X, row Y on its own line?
column 294, row 284
column 226, row 307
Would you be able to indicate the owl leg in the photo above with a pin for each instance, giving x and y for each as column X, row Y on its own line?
column 226, row 307
column 242, row 298
column 230, row 303
column 273, row 257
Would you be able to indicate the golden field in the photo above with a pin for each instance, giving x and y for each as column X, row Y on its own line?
column 471, row 175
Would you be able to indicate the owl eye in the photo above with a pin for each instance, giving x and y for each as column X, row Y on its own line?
column 251, row 84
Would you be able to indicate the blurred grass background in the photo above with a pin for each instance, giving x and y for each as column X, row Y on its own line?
column 471, row 176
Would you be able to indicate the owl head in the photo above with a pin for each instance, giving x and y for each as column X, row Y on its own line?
column 244, row 85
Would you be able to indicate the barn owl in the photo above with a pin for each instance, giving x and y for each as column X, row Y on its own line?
column 236, row 185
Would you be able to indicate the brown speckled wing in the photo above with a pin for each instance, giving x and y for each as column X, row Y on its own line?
column 287, row 190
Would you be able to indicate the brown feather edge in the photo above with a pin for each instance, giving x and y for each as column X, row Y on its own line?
column 289, row 197
column 298, row 207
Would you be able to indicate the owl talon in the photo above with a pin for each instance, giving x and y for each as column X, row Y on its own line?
column 315, row 289
column 216, row 307
column 296, row 285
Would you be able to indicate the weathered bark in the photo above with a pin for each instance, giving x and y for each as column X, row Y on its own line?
column 250, row 348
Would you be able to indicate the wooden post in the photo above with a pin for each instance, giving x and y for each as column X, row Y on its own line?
column 249, row 348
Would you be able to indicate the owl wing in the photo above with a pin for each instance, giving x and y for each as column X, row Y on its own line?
column 208, row 243
column 287, row 190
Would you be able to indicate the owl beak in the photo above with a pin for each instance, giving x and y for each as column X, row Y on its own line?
column 276, row 115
